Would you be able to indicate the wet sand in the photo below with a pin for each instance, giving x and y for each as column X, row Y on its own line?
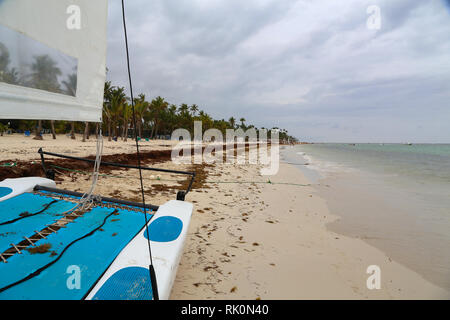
column 391, row 220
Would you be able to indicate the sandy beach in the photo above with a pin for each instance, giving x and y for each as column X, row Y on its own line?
column 248, row 239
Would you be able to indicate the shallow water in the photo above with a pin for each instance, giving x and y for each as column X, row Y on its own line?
column 395, row 197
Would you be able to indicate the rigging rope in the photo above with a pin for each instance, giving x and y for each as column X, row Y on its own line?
column 151, row 268
column 86, row 200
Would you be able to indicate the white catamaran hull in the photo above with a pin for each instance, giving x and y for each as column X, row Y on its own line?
column 20, row 185
column 170, row 222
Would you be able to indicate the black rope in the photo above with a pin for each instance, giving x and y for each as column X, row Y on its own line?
column 38, row 271
column 29, row 215
column 151, row 268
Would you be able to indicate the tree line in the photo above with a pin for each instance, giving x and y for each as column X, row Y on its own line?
column 155, row 118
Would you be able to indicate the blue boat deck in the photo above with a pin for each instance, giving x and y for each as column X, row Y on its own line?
column 91, row 255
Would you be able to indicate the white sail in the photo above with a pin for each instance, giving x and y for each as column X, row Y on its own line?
column 52, row 59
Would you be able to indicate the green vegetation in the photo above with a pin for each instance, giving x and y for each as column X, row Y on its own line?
column 155, row 119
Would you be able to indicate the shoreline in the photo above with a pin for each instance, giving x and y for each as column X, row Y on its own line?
column 296, row 256
column 384, row 212
column 252, row 240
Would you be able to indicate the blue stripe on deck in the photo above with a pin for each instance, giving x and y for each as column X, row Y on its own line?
column 131, row 283
column 164, row 229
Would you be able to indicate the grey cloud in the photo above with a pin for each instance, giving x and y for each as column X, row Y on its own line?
column 294, row 64
column 217, row 27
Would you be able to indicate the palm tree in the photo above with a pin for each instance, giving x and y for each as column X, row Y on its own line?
column 157, row 107
column 232, row 122
column 72, row 130
column 70, row 85
column 184, row 108
column 107, row 97
column 118, row 98
column 4, row 59
column 171, row 118
column 3, row 128
column 7, row 75
column 184, row 118
column 52, row 125
column 37, row 134
column 207, row 121
column 44, row 75
column 126, row 113
column 140, row 109
column 86, row 131
column 242, row 120
column 194, row 109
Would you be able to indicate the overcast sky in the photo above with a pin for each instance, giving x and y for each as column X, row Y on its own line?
column 310, row 66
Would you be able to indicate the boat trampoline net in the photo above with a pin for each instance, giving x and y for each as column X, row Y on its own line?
column 39, row 228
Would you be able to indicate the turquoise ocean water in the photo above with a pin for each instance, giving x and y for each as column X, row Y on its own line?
column 394, row 196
